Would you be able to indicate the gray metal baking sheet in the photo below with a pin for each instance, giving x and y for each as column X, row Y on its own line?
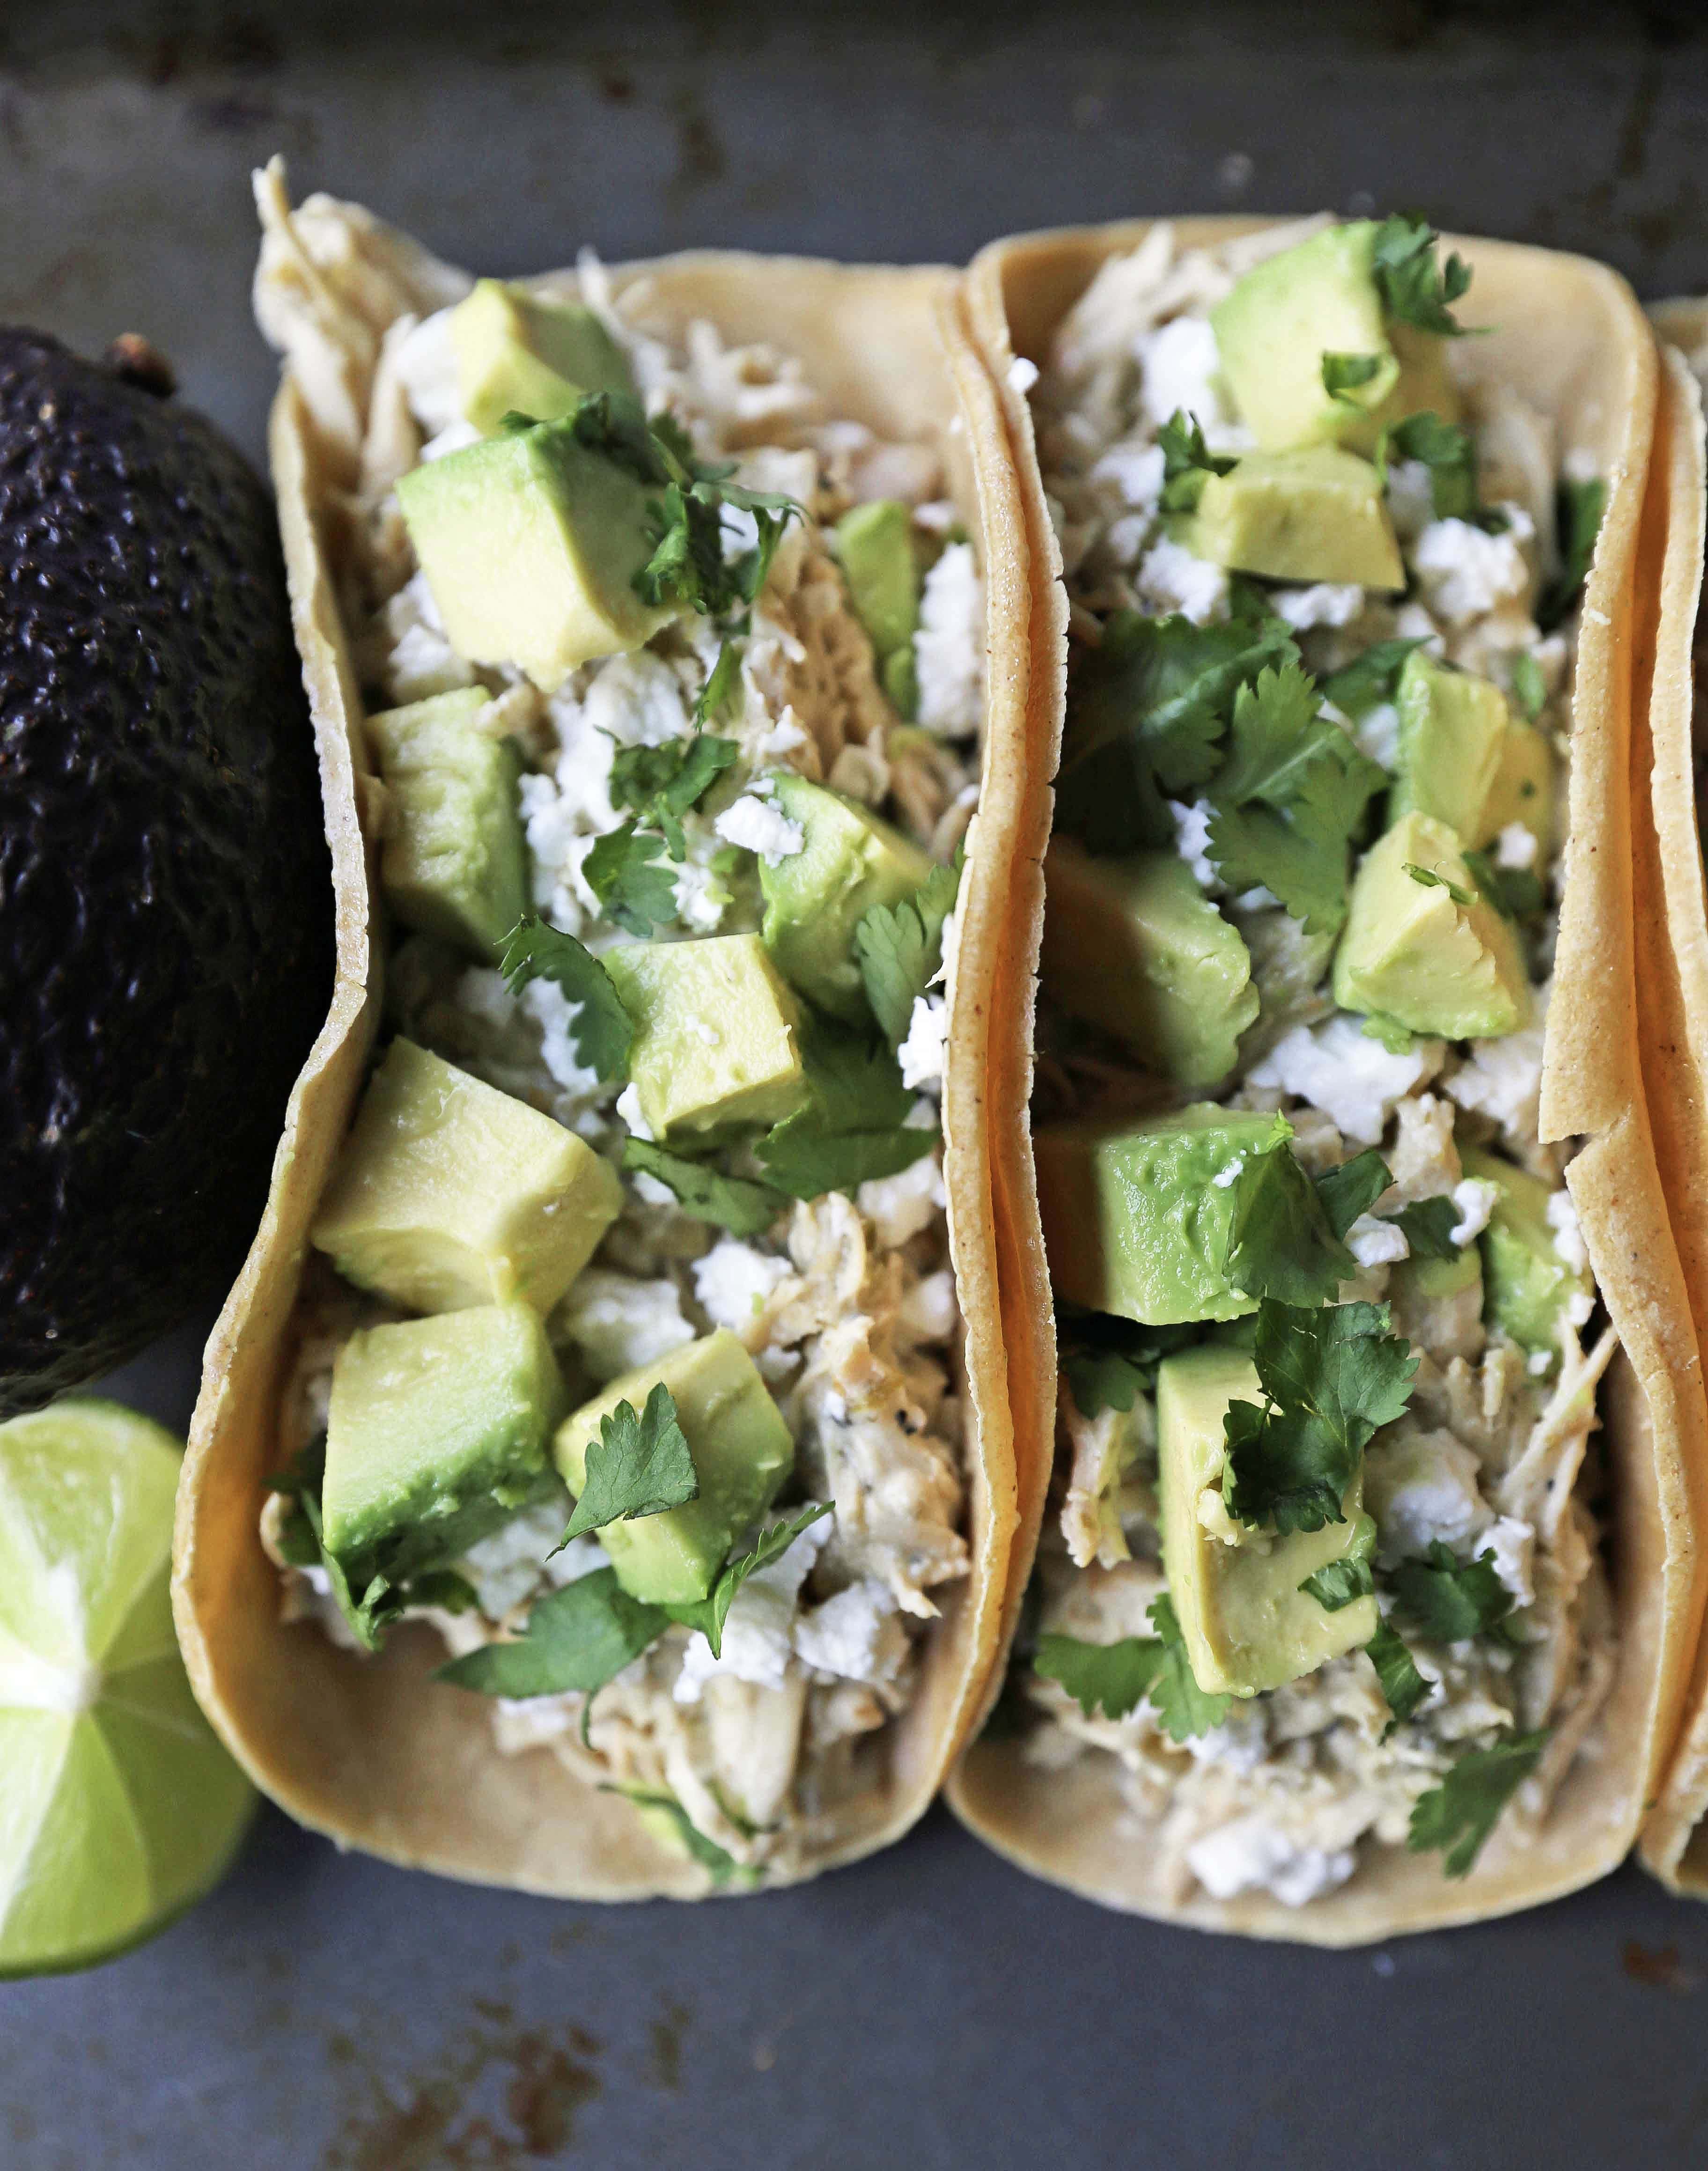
column 933, row 2008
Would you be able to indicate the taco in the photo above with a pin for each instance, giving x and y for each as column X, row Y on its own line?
column 1367, row 1578
column 603, row 1481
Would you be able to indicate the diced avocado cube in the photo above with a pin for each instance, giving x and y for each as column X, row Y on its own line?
column 1527, row 1285
column 1318, row 514
column 1437, row 1304
column 1247, row 1625
column 1452, row 731
column 1137, row 1209
column 742, row 1452
column 1413, row 952
column 437, row 1430
column 530, row 543
column 1134, row 945
column 875, row 545
column 1322, row 298
column 454, row 864
column 516, row 354
column 450, row 1193
column 716, row 1033
column 849, row 860
column 1523, row 789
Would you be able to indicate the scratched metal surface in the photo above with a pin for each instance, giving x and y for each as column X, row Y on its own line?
column 933, row 2008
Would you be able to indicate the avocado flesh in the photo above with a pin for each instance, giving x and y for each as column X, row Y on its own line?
column 1412, row 953
column 1526, row 1284
column 1453, row 740
column 450, row 1193
column 530, row 543
column 716, row 1034
column 1135, row 1222
column 1523, row 789
column 1316, row 514
column 874, row 542
column 1322, row 298
column 1247, row 1625
column 1135, row 947
column 166, row 937
column 516, row 354
column 849, row 861
column 454, row 864
column 435, row 1433
column 742, row 1451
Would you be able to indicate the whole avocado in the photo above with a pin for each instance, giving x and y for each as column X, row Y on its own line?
column 165, row 894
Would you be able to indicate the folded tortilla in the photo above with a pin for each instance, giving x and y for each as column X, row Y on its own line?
column 1672, row 921
column 1570, row 338
column 373, row 1751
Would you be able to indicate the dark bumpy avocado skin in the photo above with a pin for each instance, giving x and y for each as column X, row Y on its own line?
column 165, row 898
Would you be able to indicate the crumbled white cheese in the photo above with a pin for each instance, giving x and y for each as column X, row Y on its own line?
column 1503, row 1080
column 1325, row 602
column 1411, row 622
column 733, row 1280
column 1250, row 1854
column 508, row 1566
column 1465, row 573
column 921, row 1055
column 758, row 1637
column 1515, row 847
column 1410, row 497
column 701, row 898
column 926, row 1313
column 1353, row 1080
column 949, row 645
column 1421, row 1488
column 1192, row 841
column 636, row 700
column 946, row 941
column 425, row 361
column 618, row 1322
column 856, row 1635
column 1240, row 1742
column 1376, row 1243
column 1174, row 579
column 1225, row 1178
column 1568, row 1233
column 1513, row 1544
column 1474, row 1197
column 1137, row 470
column 1179, row 361
column 629, row 1108
column 555, row 1015
column 758, row 827
column 900, row 1206
column 420, row 661
column 1022, row 375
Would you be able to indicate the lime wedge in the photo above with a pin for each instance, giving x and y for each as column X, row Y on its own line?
column 118, row 1806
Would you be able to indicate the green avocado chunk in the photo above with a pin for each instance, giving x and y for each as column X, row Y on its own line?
column 1247, row 1625
column 1523, row 789
column 449, row 1193
column 1134, row 945
column 516, row 354
column 849, row 860
column 716, row 1033
column 1318, row 299
column 742, row 1452
column 875, row 545
column 1527, row 1285
column 1412, row 952
column 1453, row 730
column 454, row 864
column 1317, row 514
column 1135, row 1219
column 437, row 1433
column 530, row 543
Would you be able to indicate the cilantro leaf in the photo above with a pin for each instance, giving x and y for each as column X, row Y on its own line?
column 901, row 947
column 1112, row 1678
column 1512, row 890
column 1107, row 1360
column 1332, row 1378
column 1187, row 462
column 1341, row 1583
column 382, row 1598
column 1343, row 373
column 615, row 425
column 1450, row 456
column 1463, row 1810
column 721, row 680
column 1291, row 793
column 709, row 1614
column 1578, row 507
column 1182, row 1706
column 1527, row 689
column 1428, row 1224
column 727, row 1202
column 1149, row 708
column 722, row 1866
column 1352, row 1188
column 1369, row 679
column 576, row 1637
column 1403, row 1686
column 634, row 888
column 854, row 1128
column 1415, row 289
column 600, row 1027
column 1427, row 878
column 1281, row 1242
column 639, row 1466
column 662, row 783
column 1448, row 1600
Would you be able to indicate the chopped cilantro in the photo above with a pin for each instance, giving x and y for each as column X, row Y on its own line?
column 1451, row 456
column 1578, row 507
column 1404, row 1687
column 1448, row 1600
column 1341, row 1583
column 1511, row 891
column 856, row 1128
column 634, row 888
column 727, row 1202
column 1331, row 1379
column 1352, row 1188
column 901, row 947
column 722, row 679
column 1428, row 1224
column 1427, row 878
column 709, row 1614
column 599, row 1026
column 661, row 783
column 1281, row 1242
column 639, row 1466
column 1187, row 462
column 1369, row 679
column 576, row 1637
column 381, row 1598
column 1112, row 1678
column 1343, row 373
column 1106, row 1360
column 1463, row 1810
column 722, row 1866
column 1184, row 1708
column 1527, row 689
column 1288, row 799
column 1415, row 289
